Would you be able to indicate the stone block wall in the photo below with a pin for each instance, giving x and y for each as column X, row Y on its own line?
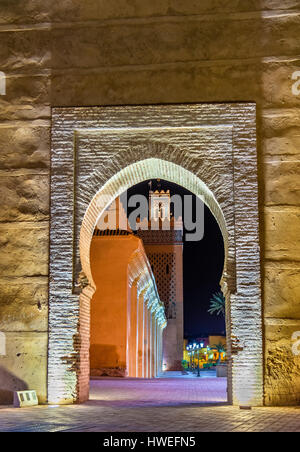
column 24, row 197
column 140, row 52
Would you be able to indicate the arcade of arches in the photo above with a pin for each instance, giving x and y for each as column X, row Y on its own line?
column 127, row 315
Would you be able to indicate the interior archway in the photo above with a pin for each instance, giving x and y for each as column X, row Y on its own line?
column 122, row 181
column 108, row 259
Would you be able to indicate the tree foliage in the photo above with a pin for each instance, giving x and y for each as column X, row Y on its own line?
column 217, row 304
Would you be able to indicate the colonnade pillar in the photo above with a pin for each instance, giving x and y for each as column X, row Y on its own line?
column 144, row 338
column 133, row 333
column 159, row 349
column 140, row 357
column 153, row 346
column 150, row 345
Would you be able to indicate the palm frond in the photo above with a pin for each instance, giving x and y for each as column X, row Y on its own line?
column 217, row 304
column 220, row 348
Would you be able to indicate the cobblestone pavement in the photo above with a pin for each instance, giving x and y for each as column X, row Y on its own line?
column 160, row 405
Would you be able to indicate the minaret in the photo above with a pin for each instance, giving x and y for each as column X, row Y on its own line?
column 164, row 248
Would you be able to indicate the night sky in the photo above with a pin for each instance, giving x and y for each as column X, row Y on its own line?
column 202, row 269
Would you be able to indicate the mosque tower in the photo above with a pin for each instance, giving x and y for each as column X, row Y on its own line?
column 163, row 242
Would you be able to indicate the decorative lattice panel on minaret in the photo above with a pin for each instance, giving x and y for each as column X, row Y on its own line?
column 164, row 270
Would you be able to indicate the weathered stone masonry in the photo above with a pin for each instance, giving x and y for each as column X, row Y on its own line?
column 201, row 147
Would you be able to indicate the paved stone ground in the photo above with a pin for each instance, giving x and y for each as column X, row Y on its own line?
column 161, row 405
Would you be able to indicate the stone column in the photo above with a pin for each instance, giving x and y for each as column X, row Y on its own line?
column 84, row 329
column 140, row 356
column 159, row 350
column 146, row 321
column 150, row 369
column 133, row 332
column 154, row 352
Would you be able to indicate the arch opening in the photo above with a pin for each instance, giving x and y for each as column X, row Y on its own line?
column 158, row 169
column 115, row 313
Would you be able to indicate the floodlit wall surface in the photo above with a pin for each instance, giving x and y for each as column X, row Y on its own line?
column 109, row 260
column 76, row 53
column 120, row 319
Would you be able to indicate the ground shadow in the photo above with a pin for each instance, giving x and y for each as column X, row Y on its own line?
column 8, row 384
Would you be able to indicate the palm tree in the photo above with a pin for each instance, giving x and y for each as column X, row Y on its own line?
column 220, row 348
column 217, row 304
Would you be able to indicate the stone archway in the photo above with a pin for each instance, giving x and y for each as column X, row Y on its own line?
column 208, row 149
